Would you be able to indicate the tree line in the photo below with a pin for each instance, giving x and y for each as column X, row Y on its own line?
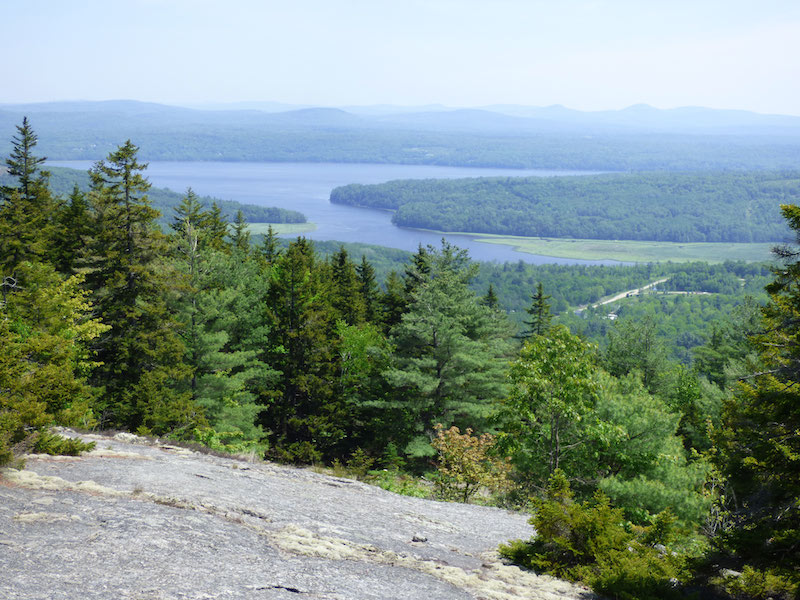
column 671, row 207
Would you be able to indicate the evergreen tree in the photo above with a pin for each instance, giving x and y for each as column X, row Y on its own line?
column 189, row 215
column 363, row 356
column 240, row 238
column 448, row 364
column 270, row 247
column 216, row 226
column 72, row 232
column 393, row 301
column 346, row 298
column 490, row 299
column 539, row 312
column 369, row 291
column 417, row 270
column 759, row 444
column 23, row 165
column 26, row 209
column 305, row 420
column 214, row 296
column 46, row 329
column 141, row 355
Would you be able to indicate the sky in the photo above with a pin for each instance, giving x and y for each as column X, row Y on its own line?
column 583, row 54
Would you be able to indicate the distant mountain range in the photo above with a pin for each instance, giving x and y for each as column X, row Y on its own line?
column 636, row 138
column 498, row 118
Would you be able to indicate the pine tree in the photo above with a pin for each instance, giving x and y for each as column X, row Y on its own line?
column 635, row 346
column 141, row 354
column 449, row 348
column 214, row 303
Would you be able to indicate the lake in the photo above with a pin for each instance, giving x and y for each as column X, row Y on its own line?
column 306, row 187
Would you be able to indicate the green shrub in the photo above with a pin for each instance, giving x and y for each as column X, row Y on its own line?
column 753, row 583
column 230, row 442
column 359, row 464
column 53, row 444
column 399, row 483
column 593, row 543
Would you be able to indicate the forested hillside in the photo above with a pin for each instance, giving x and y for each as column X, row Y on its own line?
column 707, row 207
column 63, row 182
column 649, row 475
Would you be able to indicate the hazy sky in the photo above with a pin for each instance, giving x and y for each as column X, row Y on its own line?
column 585, row 54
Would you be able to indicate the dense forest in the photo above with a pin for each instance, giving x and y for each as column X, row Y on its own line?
column 672, row 207
column 64, row 181
column 647, row 477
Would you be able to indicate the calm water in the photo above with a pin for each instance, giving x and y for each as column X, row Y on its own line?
column 306, row 187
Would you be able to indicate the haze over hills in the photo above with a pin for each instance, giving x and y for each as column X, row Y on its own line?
column 638, row 138
column 498, row 117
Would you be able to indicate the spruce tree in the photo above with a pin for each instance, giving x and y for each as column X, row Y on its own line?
column 368, row 290
column 240, row 237
column 539, row 312
column 73, row 228
column 26, row 209
column 216, row 226
column 23, row 165
column 393, row 301
column 758, row 446
column 189, row 214
column 141, row 355
column 270, row 247
column 306, row 420
column 345, row 293
column 490, row 299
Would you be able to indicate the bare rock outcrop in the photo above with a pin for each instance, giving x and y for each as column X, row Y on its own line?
column 142, row 520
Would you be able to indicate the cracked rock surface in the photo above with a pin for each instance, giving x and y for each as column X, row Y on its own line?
column 142, row 520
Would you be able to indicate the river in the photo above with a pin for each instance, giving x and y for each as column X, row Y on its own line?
column 306, row 187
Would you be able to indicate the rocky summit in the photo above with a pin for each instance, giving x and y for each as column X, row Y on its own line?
column 137, row 519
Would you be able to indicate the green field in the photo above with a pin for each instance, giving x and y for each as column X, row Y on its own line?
column 281, row 228
column 633, row 251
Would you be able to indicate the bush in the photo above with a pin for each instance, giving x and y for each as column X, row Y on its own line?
column 753, row 583
column 465, row 465
column 53, row 444
column 592, row 542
